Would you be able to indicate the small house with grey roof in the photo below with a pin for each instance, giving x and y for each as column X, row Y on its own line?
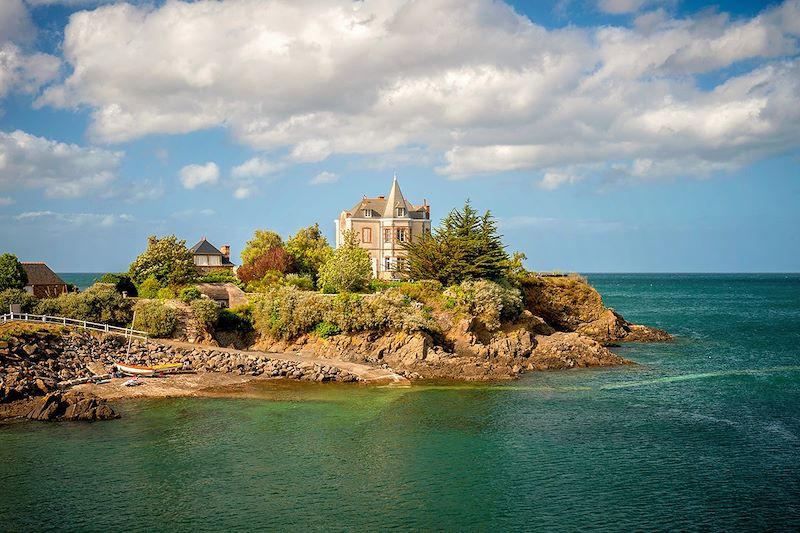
column 382, row 224
column 208, row 258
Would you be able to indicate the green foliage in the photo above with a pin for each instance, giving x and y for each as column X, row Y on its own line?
column 377, row 285
column 326, row 329
column 286, row 313
column 270, row 280
column 157, row 319
column 304, row 282
column 220, row 276
column 190, row 293
column 349, row 269
column 310, row 250
column 12, row 275
column 165, row 293
column 16, row 296
column 149, row 288
column 121, row 282
column 262, row 242
column 237, row 319
column 465, row 246
column 206, row 313
column 99, row 303
column 488, row 301
column 167, row 260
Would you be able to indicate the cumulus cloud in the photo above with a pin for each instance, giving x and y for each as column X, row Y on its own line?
column 324, row 177
column 553, row 180
column 6, row 200
column 473, row 81
column 195, row 175
column 60, row 170
column 618, row 7
column 255, row 168
column 245, row 191
column 15, row 22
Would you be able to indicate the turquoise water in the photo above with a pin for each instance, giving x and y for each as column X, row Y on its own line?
column 82, row 280
column 702, row 434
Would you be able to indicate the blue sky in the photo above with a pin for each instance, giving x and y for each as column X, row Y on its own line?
column 605, row 135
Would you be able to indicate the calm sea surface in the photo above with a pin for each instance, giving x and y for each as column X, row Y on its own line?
column 702, row 434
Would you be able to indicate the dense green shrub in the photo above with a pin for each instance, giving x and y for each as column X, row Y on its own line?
column 237, row 319
column 326, row 329
column 99, row 303
column 188, row 294
column 16, row 296
column 304, row 282
column 286, row 312
column 149, row 288
column 270, row 280
column 309, row 250
column 206, row 313
column 12, row 275
column 121, row 282
column 165, row 293
column 221, row 276
column 488, row 301
column 157, row 319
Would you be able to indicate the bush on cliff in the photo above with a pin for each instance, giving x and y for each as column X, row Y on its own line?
column 239, row 319
column 206, row 313
column 286, row 313
column 188, row 294
column 149, row 288
column 165, row 293
column 16, row 296
column 155, row 318
column 99, row 303
column 490, row 302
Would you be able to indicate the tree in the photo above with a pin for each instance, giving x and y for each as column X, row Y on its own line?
column 167, row 260
column 465, row 246
column 276, row 258
column 309, row 248
column 12, row 275
column 262, row 242
column 122, row 283
column 348, row 269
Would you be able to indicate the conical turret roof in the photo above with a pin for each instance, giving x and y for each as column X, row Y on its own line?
column 395, row 200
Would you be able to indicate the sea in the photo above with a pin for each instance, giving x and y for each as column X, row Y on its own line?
column 701, row 434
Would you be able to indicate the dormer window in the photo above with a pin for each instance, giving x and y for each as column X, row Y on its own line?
column 368, row 213
column 401, row 211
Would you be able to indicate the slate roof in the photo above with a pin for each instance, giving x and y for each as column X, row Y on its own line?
column 40, row 274
column 223, row 291
column 384, row 207
column 204, row 248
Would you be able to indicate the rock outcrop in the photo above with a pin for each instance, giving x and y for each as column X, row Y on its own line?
column 70, row 405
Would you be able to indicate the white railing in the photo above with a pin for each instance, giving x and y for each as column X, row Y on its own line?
column 63, row 321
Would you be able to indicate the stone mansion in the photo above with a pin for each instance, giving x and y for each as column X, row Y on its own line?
column 381, row 225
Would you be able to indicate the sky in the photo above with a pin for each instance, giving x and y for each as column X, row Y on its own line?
column 604, row 135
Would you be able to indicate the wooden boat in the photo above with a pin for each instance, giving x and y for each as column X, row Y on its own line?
column 168, row 367
column 135, row 370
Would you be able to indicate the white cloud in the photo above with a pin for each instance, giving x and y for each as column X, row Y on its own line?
column 15, row 22
column 618, row 7
column 324, row 177
column 240, row 193
column 6, row 200
column 25, row 72
column 74, row 219
column 255, row 168
column 553, row 180
column 195, row 175
column 60, row 170
column 472, row 81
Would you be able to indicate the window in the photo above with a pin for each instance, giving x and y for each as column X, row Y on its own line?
column 201, row 260
column 401, row 211
column 401, row 264
column 387, row 235
column 368, row 213
column 402, row 235
column 366, row 235
column 215, row 260
column 387, row 265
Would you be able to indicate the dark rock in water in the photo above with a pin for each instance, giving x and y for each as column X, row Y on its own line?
column 72, row 405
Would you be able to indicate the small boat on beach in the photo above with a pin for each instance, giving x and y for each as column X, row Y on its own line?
column 133, row 382
column 135, row 370
column 168, row 367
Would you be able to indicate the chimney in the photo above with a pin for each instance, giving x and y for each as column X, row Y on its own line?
column 226, row 250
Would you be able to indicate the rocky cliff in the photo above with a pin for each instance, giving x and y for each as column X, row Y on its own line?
column 564, row 325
